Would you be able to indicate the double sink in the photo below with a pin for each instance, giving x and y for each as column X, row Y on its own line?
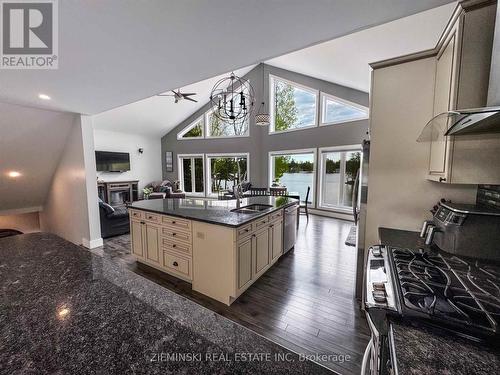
column 252, row 209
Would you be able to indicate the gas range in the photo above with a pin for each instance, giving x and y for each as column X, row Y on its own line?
column 456, row 292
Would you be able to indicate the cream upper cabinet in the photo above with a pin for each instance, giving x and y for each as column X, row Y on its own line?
column 443, row 99
column 461, row 82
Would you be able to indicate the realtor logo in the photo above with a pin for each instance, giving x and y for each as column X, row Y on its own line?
column 28, row 34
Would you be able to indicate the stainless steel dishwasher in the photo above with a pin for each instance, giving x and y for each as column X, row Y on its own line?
column 290, row 231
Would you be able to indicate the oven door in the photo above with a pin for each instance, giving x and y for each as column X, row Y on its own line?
column 377, row 359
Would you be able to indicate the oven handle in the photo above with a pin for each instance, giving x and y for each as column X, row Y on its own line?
column 366, row 356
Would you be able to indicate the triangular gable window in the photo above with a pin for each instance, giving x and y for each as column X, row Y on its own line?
column 194, row 130
column 337, row 110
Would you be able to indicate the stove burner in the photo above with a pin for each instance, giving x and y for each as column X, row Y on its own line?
column 449, row 289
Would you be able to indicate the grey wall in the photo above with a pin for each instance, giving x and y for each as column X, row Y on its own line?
column 494, row 88
column 259, row 143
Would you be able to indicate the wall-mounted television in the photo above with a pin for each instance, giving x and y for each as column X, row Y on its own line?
column 107, row 161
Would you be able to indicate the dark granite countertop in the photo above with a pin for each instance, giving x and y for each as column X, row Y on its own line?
column 66, row 310
column 424, row 350
column 213, row 211
column 421, row 349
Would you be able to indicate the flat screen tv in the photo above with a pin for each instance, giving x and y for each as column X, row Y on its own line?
column 107, row 161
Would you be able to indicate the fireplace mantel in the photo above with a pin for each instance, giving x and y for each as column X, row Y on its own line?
column 118, row 193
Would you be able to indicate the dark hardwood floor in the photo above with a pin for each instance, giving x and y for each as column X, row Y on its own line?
column 305, row 302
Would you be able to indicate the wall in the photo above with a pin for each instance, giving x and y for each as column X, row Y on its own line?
column 31, row 142
column 399, row 196
column 70, row 209
column 26, row 223
column 259, row 143
column 145, row 167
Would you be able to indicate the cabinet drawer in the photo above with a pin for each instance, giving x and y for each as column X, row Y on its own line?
column 136, row 214
column 155, row 218
column 176, row 263
column 260, row 223
column 176, row 235
column 244, row 231
column 182, row 247
column 276, row 215
column 176, row 223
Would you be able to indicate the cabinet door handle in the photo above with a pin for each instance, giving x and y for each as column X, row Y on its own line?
column 441, row 179
column 173, row 234
column 253, row 235
column 271, row 226
column 175, row 264
column 174, row 245
column 247, row 230
column 142, row 222
column 173, row 222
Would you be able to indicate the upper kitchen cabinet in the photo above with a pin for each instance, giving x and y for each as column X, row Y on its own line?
column 463, row 59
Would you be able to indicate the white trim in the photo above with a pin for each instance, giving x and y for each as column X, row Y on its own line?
column 208, row 177
column 330, row 213
column 295, row 152
column 92, row 244
column 185, row 130
column 325, row 96
column 321, row 152
column 207, row 130
column 20, row 211
column 180, row 173
column 313, row 91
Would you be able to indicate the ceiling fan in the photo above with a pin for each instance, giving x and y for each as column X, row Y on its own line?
column 178, row 95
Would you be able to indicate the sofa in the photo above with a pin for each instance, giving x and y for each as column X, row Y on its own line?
column 164, row 189
column 114, row 221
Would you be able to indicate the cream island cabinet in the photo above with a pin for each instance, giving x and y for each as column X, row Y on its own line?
column 220, row 260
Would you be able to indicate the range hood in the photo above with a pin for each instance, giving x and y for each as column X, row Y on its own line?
column 462, row 122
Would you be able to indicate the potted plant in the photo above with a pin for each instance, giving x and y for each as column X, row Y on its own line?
column 276, row 182
column 147, row 192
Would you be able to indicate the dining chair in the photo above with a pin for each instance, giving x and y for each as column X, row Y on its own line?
column 254, row 191
column 275, row 191
column 304, row 205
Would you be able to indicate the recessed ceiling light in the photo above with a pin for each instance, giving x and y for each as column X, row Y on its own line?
column 44, row 96
column 13, row 174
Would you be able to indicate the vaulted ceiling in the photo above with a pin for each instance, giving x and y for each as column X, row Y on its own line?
column 115, row 52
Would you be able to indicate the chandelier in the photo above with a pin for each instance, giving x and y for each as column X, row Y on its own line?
column 232, row 99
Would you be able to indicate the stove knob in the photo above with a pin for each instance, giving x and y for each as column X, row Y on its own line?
column 376, row 251
column 379, row 296
column 378, row 286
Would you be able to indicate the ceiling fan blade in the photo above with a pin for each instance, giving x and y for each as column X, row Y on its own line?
column 191, row 99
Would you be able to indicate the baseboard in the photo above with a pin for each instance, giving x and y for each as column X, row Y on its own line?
column 334, row 214
column 93, row 243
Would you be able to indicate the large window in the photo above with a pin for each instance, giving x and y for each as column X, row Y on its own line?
column 195, row 130
column 295, row 170
column 293, row 106
column 336, row 110
column 217, row 128
column 225, row 171
column 337, row 176
column 191, row 174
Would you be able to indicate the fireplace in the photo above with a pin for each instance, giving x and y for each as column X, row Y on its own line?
column 118, row 194
column 119, row 197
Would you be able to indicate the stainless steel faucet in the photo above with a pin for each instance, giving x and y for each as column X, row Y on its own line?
column 237, row 194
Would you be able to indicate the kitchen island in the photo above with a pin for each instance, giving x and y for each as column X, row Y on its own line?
column 220, row 248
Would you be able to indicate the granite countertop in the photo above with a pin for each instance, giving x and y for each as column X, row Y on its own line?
column 421, row 349
column 66, row 310
column 424, row 350
column 213, row 211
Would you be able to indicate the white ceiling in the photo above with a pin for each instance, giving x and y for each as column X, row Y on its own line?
column 157, row 115
column 32, row 141
column 114, row 52
column 345, row 60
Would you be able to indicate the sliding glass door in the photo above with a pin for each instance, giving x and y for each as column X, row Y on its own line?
column 191, row 174
column 294, row 169
column 225, row 171
column 338, row 171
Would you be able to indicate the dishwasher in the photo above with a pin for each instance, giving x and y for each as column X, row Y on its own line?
column 290, row 231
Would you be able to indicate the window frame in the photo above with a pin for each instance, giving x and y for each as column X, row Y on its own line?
column 180, row 173
column 208, row 168
column 272, row 110
column 313, row 151
column 325, row 96
column 207, row 130
column 180, row 135
column 321, row 152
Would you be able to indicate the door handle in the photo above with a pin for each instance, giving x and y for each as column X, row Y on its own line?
column 175, row 264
